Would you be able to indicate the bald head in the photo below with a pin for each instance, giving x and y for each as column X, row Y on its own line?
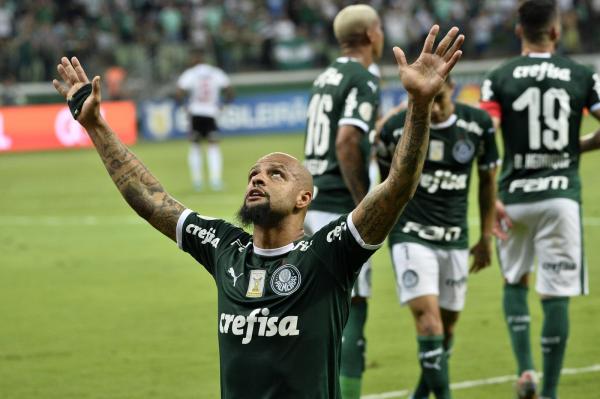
column 351, row 24
column 294, row 166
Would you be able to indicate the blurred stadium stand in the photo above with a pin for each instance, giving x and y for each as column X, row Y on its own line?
column 141, row 45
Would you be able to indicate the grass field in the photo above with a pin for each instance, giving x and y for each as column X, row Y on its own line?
column 96, row 304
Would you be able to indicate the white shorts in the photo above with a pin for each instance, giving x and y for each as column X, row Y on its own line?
column 422, row 270
column 317, row 219
column 550, row 231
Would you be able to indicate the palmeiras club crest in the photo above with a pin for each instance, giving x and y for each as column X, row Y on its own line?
column 285, row 280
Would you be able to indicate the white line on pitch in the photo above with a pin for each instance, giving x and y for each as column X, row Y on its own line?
column 486, row 381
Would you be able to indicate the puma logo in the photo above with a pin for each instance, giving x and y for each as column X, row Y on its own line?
column 232, row 274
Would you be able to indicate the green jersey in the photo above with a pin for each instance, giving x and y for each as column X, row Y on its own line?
column 345, row 94
column 437, row 214
column 540, row 99
column 281, row 312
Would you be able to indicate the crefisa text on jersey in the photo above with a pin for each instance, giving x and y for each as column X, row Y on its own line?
column 267, row 326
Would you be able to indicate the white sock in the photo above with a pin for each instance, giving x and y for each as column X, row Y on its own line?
column 195, row 163
column 215, row 164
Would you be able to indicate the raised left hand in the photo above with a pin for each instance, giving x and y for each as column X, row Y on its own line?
column 74, row 78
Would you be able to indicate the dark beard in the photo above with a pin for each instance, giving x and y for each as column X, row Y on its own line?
column 259, row 215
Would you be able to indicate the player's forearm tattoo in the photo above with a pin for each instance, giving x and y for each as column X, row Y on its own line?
column 142, row 191
column 379, row 211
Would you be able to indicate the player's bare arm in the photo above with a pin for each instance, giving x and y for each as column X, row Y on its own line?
column 591, row 142
column 142, row 191
column 482, row 250
column 347, row 147
column 375, row 216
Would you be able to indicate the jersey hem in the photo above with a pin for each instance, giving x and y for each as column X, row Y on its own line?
column 179, row 228
column 357, row 236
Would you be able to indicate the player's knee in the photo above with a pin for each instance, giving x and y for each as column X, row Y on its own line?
column 428, row 323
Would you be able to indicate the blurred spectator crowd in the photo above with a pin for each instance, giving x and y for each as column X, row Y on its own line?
column 149, row 39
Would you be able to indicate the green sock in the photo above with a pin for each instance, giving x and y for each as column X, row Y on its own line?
column 422, row 390
column 350, row 387
column 434, row 365
column 555, row 332
column 517, row 316
column 353, row 351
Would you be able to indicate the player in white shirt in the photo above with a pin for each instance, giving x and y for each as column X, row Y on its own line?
column 204, row 83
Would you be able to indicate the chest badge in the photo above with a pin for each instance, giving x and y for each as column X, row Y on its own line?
column 463, row 151
column 256, row 284
column 285, row 280
column 436, row 150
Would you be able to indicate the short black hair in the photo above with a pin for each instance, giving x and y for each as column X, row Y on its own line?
column 535, row 17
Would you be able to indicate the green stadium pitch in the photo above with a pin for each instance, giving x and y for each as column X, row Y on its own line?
column 96, row 304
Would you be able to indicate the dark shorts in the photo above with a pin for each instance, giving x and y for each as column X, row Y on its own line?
column 203, row 127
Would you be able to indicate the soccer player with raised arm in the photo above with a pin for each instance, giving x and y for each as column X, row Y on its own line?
column 538, row 100
column 283, row 296
column 341, row 113
column 430, row 244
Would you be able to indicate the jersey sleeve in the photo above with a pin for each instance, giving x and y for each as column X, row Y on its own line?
column 389, row 136
column 488, row 151
column 203, row 237
column 360, row 105
column 223, row 79
column 489, row 100
column 185, row 81
column 341, row 250
column 593, row 100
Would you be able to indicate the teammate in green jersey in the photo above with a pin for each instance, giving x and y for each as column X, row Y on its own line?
column 429, row 244
column 341, row 114
column 538, row 99
column 283, row 296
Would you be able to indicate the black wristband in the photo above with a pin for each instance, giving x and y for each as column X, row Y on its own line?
column 76, row 102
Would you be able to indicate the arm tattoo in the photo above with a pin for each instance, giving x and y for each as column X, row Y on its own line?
column 378, row 212
column 142, row 191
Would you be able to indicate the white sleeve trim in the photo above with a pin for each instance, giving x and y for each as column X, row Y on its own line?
column 357, row 236
column 354, row 122
column 179, row 228
column 595, row 107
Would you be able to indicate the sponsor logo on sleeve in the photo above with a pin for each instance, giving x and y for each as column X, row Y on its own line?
column 285, row 280
column 365, row 110
column 336, row 233
column 206, row 236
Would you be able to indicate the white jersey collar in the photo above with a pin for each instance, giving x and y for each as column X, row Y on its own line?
column 443, row 125
column 273, row 251
column 344, row 60
column 539, row 55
